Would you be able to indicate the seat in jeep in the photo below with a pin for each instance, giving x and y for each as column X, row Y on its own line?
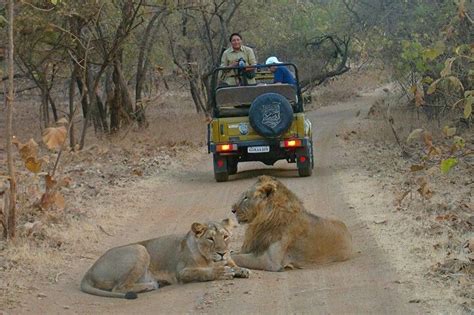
column 236, row 101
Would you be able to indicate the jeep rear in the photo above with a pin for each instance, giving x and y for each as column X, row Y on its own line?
column 263, row 122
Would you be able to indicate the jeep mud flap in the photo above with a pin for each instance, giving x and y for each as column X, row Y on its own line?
column 220, row 163
column 303, row 157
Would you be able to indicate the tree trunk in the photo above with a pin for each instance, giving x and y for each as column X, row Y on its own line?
column 115, row 103
column 53, row 105
column 11, row 220
column 145, row 49
column 92, row 93
column 121, row 109
column 197, row 96
column 84, row 102
column 102, row 114
column 4, row 209
column 97, row 110
column 72, row 111
column 142, row 67
column 44, row 106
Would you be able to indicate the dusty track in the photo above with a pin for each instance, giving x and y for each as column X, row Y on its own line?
column 169, row 204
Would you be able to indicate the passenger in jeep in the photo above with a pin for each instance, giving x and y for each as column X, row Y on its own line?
column 281, row 74
column 240, row 56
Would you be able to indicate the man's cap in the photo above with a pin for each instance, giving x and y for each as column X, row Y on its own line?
column 272, row 60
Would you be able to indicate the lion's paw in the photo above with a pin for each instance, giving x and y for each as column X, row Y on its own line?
column 224, row 273
column 242, row 272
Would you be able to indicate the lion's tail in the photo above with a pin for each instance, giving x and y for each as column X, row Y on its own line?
column 88, row 288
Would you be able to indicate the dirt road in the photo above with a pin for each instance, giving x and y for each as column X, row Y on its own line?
column 170, row 203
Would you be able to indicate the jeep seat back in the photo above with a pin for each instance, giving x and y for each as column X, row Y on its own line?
column 244, row 95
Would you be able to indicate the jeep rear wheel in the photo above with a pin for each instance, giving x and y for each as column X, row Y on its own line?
column 221, row 168
column 221, row 177
column 305, row 171
column 305, row 162
column 232, row 165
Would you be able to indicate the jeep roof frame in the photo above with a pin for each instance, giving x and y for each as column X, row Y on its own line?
column 214, row 87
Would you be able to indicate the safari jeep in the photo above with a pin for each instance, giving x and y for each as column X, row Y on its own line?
column 261, row 122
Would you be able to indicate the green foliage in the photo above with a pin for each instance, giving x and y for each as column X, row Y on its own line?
column 415, row 57
column 453, row 75
column 427, row 44
column 448, row 164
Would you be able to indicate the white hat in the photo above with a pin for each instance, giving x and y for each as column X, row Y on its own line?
column 272, row 60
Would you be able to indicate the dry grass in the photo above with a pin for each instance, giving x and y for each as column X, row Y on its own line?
column 428, row 215
column 406, row 118
column 59, row 237
column 344, row 87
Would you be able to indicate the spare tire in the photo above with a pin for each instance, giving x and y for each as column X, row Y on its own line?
column 270, row 115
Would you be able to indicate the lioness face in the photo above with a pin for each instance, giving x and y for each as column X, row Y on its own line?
column 213, row 239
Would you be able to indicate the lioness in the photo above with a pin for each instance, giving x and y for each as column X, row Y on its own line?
column 200, row 255
column 281, row 233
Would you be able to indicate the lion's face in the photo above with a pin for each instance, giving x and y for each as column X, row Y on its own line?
column 213, row 239
column 247, row 206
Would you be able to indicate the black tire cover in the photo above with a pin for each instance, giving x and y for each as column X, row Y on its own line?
column 270, row 115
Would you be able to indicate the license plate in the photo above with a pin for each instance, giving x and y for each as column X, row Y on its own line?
column 260, row 149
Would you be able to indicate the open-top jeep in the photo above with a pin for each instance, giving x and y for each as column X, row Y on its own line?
column 262, row 122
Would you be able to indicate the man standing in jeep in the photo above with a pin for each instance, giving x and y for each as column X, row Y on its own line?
column 238, row 55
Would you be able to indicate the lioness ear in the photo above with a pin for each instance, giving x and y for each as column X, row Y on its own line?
column 228, row 224
column 265, row 189
column 198, row 229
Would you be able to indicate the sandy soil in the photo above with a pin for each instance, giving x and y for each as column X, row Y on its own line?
column 391, row 272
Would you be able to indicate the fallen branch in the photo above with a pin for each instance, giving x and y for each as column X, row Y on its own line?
column 103, row 230
column 390, row 120
column 56, row 279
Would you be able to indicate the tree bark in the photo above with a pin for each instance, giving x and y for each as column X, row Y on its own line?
column 142, row 67
column 44, row 106
column 142, row 60
column 72, row 92
column 11, row 220
column 121, row 107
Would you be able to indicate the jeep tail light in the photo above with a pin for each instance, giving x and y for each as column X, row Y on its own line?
column 226, row 147
column 290, row 143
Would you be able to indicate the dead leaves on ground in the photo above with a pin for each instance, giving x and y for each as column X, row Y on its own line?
column 52, row 199
column 27, row 149
column 29, row 154
column 54, row 137
column 33, row 165
column 446, row 155
column 424, row 188
column 420, row 185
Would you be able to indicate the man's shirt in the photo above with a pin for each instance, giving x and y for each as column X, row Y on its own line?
column 283, row 75
column 230, row 55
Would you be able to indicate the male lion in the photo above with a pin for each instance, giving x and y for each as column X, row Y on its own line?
column 200, row 255
column 281, row 233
